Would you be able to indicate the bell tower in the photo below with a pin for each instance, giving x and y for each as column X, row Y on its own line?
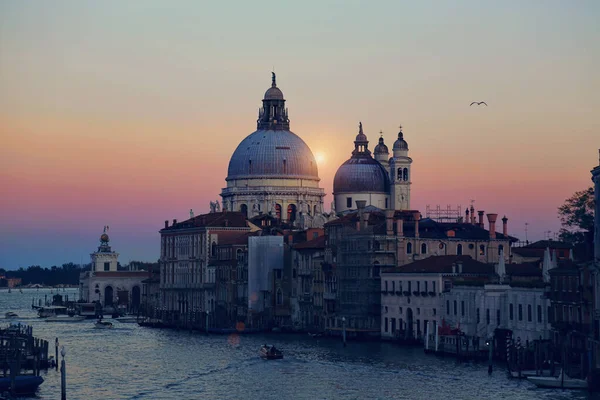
column 400, row 174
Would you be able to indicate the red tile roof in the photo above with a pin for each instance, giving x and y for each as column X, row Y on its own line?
column 443, row 264
column 225, row 219
column 317, row 243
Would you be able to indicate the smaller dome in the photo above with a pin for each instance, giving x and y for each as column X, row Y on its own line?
column 104, row 237
column 381, row 148
column 273, row 93
column 361, row 175
column 400, row 144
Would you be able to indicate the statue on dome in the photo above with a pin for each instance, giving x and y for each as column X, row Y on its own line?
column 213, row 207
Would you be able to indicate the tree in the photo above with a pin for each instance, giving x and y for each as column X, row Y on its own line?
column 577, row 220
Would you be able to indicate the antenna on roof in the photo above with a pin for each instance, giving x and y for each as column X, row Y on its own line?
column 526, row 224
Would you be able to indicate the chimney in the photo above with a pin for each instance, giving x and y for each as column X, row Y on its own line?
column 467, row 216
column 492, row 220
column 480, row 213
column 360, row 205
column 174, row 221
column 166, row 224
column 365, row 220
column 417, row 217
column 453, row 268
column 472, row 215
column 460, row 265
column 400, row 227
column 504, row 226
column 389, row 222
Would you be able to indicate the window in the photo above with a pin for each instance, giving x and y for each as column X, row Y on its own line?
column 448, row 307
column 478, row 317
column 510, row 311
column 498, row 317
column 315, row 235
column 393, row 286
column 386, row 202
column 400, row 311
column 425, row 285
column 459, row 249
column 284, row 166
column 278, row 274
column 423, row 248
column 455, row 308
column 213, row 249
column 386, row 286
column 409, row 285
column 107, row 266
column 487, row 316
column 500, row 248
column 433, row 286
column 349, row 202
column 386, row 324
column 418, row 286
column 482, row 250
column 405, row 174
column 520, row 312
column 529, row 317
column 434, row 311
column 409, row 248
column 279, row 297
column 462, row 308
column 418, row 311
column 399, row 174
column 539, row 313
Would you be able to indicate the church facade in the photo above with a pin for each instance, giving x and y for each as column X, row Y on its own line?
column 382, row 181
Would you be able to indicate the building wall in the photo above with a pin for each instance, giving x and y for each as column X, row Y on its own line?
column 408, row 301
column 468, row 308
column 378, row 200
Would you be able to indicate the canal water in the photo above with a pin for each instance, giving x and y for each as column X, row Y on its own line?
column 130, row 362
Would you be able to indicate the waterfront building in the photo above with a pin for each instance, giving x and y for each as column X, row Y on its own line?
column 361, row 243
column 381, row 181
column 273, row 171
column 308, row 287
column 187, row 280
column 414, row 294
column 595, row 270
column 107, row 284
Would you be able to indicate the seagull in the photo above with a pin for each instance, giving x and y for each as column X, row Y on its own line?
column 479, row 103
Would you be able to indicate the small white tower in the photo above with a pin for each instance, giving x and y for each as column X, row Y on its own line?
column 104, row 259
column 400, row 174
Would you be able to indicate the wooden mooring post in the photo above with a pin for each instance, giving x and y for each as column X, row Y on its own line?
column 56, row 353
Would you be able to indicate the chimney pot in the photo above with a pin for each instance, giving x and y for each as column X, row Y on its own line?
column 505, row 226
column 417, row 217
column 480, row 213
column 166, row 224
column 492, row 221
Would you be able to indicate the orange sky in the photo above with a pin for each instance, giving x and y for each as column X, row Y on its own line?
column 127, row 116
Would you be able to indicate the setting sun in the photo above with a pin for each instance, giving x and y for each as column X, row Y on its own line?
column 320, row 158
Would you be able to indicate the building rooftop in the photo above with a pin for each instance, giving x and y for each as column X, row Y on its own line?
column 317, row 243
column 444, row 264
column 224, row 219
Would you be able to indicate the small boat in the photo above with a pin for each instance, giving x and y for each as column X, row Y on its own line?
column 315, row 335
column 270, row 353
column 52, row 311
column 527, row 373
column 562, row 381
column 103, row 324
column 24, row 384
column 11, row 314
column 65, row 318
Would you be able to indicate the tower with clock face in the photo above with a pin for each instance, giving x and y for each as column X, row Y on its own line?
column 400, row 174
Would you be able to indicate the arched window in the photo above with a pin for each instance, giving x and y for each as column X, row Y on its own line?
column 244, row 209
column 459, row 249
column 405, row 174
column 376, row 269
column 239, row 255
column 424, row 248
column 399, row 173
column 278, row 211
column 213, row 251
column 291, row 213
column 500, row 248
column 482, row 250
column 279, row 297
column 315, row 210
column 409, row 248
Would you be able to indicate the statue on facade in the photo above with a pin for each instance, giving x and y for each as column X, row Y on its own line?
column 191, row 213
column 333, row 207
column 213, row 207
column 217, row 206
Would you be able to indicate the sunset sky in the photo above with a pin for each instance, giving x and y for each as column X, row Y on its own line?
column 126, row 113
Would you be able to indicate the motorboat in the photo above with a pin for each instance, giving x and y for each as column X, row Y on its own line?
column 88, row 310
column 562, row 381
column 527, row 373
column 103, row 324
column 52, row 311
column 65, row 318
column 11, row 314
column 268, row 352
column 24, row 384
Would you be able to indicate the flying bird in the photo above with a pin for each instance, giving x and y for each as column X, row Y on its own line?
column 479, row 103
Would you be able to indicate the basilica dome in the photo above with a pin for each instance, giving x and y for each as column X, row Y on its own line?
column 272, row 154
column 361, row 174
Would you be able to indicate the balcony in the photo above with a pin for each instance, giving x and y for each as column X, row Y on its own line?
column 305, row 298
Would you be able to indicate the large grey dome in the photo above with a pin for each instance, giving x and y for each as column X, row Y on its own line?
column 361, row 174
column 272, row 154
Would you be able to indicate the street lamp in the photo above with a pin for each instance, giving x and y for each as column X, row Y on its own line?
column 344, row 330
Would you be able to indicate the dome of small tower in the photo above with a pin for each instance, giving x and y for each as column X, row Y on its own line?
column 400, row 143
column 381, row 148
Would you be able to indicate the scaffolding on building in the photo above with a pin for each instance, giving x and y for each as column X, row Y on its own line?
column 447, row 214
